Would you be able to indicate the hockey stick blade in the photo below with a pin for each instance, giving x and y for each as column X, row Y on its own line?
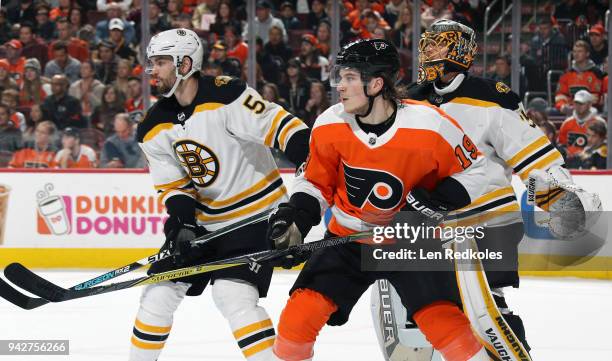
column 31, row 282
column 19, row 299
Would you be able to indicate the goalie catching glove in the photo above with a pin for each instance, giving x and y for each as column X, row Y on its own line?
column 572, row 209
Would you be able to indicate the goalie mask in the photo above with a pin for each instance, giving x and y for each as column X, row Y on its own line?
column 447, row 47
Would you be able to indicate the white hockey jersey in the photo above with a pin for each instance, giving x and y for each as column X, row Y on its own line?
column 216, row 151
column 494, row 118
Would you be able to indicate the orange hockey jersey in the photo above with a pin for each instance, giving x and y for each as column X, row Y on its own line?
column 573, row 135
column 365, row 178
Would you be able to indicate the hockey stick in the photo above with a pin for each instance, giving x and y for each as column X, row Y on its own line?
column 17, row 298
column 39, row 286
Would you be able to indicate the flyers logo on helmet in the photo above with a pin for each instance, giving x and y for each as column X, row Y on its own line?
column 381, row 189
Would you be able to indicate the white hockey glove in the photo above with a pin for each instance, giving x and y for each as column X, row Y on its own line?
column 573, row 211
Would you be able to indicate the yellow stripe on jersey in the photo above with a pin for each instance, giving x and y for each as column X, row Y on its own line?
column 264, row 182
column 487, row 197
column 531, row 148
column 283, row 134
column 151, row 329
column 173, row 184
column 156, row 130
column 147, row 346
column 542, row 164
column 475, row 102
column 271, row 198
column 484, row 216
column 258, row 348
column 164, row 194
column 259, row 325
column 207, row 106
column 270, row 135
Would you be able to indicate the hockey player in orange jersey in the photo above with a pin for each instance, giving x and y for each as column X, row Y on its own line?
column 374, row 154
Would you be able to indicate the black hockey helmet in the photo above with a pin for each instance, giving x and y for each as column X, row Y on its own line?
column 372, row 57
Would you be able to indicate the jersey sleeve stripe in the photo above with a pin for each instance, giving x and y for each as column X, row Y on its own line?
column 542, row 164
column 438, row 110
column 263, row 183
column 475, row 102
column 296, row 123
column 163, row 196
column 501, row 192
column 255, row 207
column 535, row 156
column 174, row 184
column 538, row 143
column 156, row 130
column 207, row 106
column 282, row 124
column 151, row 329
column 268, row 140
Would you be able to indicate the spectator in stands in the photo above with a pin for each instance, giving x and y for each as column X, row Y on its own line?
column 218, row 55
column 503, row 74
column 40, row 153
column 595, row 154
column 401, row 34
column 104, row 5
column 315, row 66
column 204, row 8
column 535, row 78
column 599, row 44
column 33, row 47
column 583, row 74
column 61, row 108
column 287, row 16
column 573, row 132
column 61, row 11
column 106, row 68
column 113, row 102
column 324, row 38
column 5, row 27
column 34, row 88
column 63, row 63
column 114, row 11
column 158, row 21
column 77, row 18
column 44, row 28
column 295, row 88
column 212, row 69
column 393, row 11
column 277, row 48
column 88, row 89
column 74, row 154
column 10, row 136
column 317, row 104
column 21, row 11
column 569, row 9
column 548, row 45
column 260, row 80
column 438, row 10
column 317, row 14
column 77, row 48
column 124, row 71
column 121, row 150
column 122, row 48
column 264, row 21
column 6, row 81
column 15, row 60
column 36, row 116
column 135, row 102
column 10, row 99
column 270, row 93
column 183, row 20
column 224, row 17
column 174, row 9
column 236, row 47
column 550, row 131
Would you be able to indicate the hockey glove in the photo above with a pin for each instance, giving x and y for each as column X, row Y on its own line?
column 288, row 226
column 178, row 240
column 421, row 209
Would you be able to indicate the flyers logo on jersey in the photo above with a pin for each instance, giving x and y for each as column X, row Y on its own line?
column 381, row 189
column 201, row 163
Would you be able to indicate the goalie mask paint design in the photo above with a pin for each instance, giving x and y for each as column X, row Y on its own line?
column 448, row 47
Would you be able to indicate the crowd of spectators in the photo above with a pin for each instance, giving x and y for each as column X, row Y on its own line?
column 70, row 70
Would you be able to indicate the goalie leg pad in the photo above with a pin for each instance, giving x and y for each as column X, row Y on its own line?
column 154, row 319
column 304, row 316
column 254, row 332
column 448, row 330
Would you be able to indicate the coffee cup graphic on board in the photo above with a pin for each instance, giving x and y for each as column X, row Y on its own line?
column 53, row 211
column 4, row 199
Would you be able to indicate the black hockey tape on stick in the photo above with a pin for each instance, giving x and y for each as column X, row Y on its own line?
column 17, row 298
column 31, row 282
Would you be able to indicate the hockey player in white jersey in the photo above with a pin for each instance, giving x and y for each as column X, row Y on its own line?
column 494, row 118
column 207, row 143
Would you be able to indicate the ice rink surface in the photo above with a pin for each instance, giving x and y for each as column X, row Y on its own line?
column 566, row 319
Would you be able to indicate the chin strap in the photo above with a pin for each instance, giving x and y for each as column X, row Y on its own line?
column 370, row 101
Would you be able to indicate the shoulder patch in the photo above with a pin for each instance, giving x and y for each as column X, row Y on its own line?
column 489, row 91
column 221, row 89
column 222, row 80
column 502, row 87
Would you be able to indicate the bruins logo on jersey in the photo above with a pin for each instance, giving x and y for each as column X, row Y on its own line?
column 199, row 161
column 502, row 87
column 222, row 80
column 381, row 189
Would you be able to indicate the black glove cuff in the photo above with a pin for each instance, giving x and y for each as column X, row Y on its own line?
column 308, row 205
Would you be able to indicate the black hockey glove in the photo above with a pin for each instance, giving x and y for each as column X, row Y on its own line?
column 288, row 226
column 178, row 240
column 420, row 209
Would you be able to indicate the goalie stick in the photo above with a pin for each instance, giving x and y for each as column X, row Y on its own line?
column 19, row 299
column 28, row 280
